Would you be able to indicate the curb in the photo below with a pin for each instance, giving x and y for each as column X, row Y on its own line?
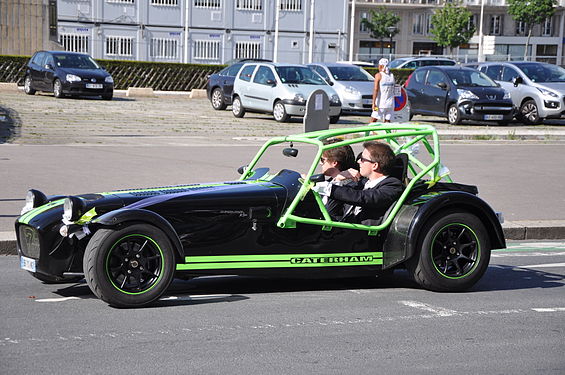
column 513, row 230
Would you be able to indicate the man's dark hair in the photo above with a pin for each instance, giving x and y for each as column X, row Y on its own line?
column 381, row 153
column 343, row 155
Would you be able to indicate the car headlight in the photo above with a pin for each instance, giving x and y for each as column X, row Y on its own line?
column 352, row 91
column 507, row 95
column 73, row 209
column 299, row 98
column 466, row 94
column 334, row 99
column 73, row 78
column 34, row 198
column 548, row 93
column 109, row 79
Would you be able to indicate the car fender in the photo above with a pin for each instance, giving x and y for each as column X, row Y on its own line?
column 406, row 229
column 124, row 215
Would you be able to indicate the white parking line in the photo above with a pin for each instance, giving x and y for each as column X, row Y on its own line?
column 56, row 299
column 424, row 306
column 547, row 265
column 549, row 309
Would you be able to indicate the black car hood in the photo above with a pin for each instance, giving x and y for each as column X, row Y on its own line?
column 85, row 73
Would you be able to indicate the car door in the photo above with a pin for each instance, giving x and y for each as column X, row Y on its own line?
column 48, row 72
column 36, row 70
column 243, row 86
column 227, row 79
column 509, row 73
column 264, row 83
column 434, row 99
column 416, row 90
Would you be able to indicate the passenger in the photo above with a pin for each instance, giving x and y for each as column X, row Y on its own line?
column 383, row 94
column 374, row 192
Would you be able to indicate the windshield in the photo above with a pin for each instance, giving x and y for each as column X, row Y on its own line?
column 470, row 78
column 543, row 72
column 299, row 75
column 75, row 61
column 349, row 73
column 396, row 63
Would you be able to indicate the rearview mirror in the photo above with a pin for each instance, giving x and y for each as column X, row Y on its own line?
column 517, row 80
column 290, row 152
column 318, row 178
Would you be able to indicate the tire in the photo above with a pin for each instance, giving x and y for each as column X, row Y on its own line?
column 279, row 112
column 58, row 89
column 529, row 113
column 217, row 99
column 108, row 96
column 454, row 252
column 453, row 115
column 46, row 279
column 237, row 108
column 27, row 86
column 130, row 267
column 334, row 119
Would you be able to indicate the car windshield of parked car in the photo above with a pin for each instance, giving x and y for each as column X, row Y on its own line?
column 299, row 75
column 76, row 61
column 396, row 63
column 543, row 72
column 350, row 73
column 468, row 78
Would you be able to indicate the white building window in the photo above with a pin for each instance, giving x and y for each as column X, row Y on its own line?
column 422, row 24
column 207, row 50
column 495, row 25
column 164, row 48
column 248, row 50
column 546, row 28
column 121, row 1
column 165, row 2
column 119, row 46
column 362, row 27
column 520, row 28
column 249, row 4
column 211, row 4
column 74, row 42
column 291, row 5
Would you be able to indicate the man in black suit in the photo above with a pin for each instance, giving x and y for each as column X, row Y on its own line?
column 375, row 190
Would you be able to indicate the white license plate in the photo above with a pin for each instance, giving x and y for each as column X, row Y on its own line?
column 27, row 264
column 367, row 101
column 93, row 85
column 494, row 117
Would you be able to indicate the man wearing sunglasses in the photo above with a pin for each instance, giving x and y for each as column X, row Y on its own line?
column 375, row 190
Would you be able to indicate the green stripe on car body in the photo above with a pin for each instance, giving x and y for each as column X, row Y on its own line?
column 281, row 261
column 28, row 216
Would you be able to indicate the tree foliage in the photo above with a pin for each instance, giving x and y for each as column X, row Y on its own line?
column 531, row 13
column 451, row 26
column 379, row 22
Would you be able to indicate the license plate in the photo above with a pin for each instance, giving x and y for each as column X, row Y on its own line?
column 367, row 101
column 93, row 85
column 27, row 264
column 494, row 117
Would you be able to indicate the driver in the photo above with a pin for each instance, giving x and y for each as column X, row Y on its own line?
column 374, row 191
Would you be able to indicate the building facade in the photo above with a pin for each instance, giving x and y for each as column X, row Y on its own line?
column 414, row 37
column 203, row 31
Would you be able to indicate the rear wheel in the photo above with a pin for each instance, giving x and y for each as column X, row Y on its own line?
column 453, row 115
column 237, row 108
column 279, row 112
column 454, row 253
column 529, row 113
column 334, row 119
column 27, row 86
column 129, row 267
column 218, row 102
column 58, row 89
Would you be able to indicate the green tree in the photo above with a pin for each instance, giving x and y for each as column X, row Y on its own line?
column 451, row 27
column 382, row 24
column 531, row 13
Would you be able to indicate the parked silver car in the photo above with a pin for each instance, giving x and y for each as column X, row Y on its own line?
column 280, row 89
column 537, row 89
column 352, row 83
column 417, row 62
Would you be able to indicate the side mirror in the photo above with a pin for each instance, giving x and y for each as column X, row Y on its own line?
column 442, row 85
column 330, row 82
column 241, row 169
column 271, row 82
column 318, row 178
column 290, row 152
column 517, row 80
column 48, row 67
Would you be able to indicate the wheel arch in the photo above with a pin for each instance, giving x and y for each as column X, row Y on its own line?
column 525, row 99
column 456, row 201
column 135, row 216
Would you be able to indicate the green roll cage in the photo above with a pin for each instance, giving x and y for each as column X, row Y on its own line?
column 401, row 137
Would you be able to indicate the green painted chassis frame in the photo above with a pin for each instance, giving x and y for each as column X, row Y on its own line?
column 393, row 134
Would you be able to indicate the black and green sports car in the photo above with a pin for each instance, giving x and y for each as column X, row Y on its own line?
column 130, row 244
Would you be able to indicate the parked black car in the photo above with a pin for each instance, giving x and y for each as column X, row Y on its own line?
column 219, row 87
column 459, row 94
column 67, row 73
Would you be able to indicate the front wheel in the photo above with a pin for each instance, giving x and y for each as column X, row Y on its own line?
column 108, row 96
column 237, row 108
column 218, row 102
column 334, row 119
column 454, row 252
column 279, row 112
column 58, row 89
column 453, row 115
column 27, row 86
column 529, row 113
column 130, row 267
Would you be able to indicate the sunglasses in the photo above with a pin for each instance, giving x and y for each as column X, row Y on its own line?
column 361, row 159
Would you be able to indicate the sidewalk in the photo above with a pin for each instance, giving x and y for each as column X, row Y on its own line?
column 513, row 230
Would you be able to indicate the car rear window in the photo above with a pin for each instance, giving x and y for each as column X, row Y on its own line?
column 231, row 71
column 493, row 71
column 419, row 75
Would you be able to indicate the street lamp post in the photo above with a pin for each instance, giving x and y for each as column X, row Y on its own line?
column 391, row 31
